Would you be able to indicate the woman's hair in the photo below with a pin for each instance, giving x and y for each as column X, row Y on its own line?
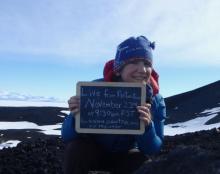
column 116, row 78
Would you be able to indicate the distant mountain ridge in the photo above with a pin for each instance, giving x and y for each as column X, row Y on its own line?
column 182, row 109
column 5, row 95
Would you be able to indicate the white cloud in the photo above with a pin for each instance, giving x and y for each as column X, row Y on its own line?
column 77, row 30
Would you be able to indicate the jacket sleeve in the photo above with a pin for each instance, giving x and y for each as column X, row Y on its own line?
column 151, row 141
column 68, row 132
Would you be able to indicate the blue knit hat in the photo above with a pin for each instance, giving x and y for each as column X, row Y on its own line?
column 133, row 48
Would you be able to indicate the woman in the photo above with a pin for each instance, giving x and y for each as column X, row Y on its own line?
column 119, row 153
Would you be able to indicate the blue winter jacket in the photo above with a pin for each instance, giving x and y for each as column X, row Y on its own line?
column 149, row 143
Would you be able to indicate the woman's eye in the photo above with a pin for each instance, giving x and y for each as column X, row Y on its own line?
column 147, row 64
column 134, row 62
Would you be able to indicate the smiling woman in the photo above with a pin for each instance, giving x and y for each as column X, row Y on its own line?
column 112, row 150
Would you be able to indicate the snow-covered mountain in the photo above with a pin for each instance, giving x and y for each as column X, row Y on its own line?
column 14, row 96
column 192, row 104
column 14, row 99
column 192, row 111
column 196, row 124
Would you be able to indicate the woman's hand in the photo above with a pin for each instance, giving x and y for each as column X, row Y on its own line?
column 145, row 114
column 74, row 104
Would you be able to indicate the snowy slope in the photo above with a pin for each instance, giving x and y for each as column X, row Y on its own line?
column 13, row 99
column 188, row 112
column 195, row 124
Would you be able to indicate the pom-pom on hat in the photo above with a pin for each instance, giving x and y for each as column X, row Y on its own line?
column 133, row 48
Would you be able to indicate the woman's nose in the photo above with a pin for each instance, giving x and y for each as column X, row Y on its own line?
column 142, row 68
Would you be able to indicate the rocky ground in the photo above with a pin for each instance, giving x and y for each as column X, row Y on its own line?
column 183, row 154
column 191, row 153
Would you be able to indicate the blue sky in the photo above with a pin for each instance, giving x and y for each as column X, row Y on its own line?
column 46, row 46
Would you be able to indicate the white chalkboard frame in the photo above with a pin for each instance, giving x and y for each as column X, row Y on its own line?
column 110, row 131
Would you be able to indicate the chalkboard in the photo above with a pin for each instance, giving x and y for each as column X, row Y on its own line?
column 110, row 107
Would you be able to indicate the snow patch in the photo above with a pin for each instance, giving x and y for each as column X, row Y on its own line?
column 10, row 143
column 46, row 129
column 65, row 112
column 211, row 111
column 176, row 108
column 62, row 116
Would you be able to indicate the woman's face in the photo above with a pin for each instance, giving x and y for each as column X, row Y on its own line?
column 136, row 71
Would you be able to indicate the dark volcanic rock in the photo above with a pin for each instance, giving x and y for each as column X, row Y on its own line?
column 197, row 153
column 185, row 159
column 22, row 135
column 38, row 115
column 39, row 157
